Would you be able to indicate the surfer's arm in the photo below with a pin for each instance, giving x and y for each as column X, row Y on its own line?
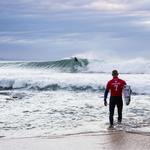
column 106, row 94
column 106, row 91
column 105, row 97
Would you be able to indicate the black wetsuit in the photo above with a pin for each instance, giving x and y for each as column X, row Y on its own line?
column 115, row 101
column 115, row 86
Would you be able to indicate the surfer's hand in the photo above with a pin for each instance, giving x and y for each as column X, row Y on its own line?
column 105, row 102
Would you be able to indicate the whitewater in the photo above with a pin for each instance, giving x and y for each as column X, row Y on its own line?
column 66, row 97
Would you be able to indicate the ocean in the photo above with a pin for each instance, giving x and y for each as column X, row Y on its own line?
column 64, row 97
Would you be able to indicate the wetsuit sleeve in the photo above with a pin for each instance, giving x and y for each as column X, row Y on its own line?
column 106, row 94
column 106, row 91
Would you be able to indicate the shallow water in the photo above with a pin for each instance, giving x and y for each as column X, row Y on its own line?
column 37, row 102
column 65, row 112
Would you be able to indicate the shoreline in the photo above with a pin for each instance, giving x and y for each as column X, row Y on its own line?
column 90, row 141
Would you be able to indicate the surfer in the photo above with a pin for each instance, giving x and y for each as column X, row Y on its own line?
column 115, row 86
column 75, row 59
column 77, row 63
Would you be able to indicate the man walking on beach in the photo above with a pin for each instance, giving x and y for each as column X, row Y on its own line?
column 115, row 86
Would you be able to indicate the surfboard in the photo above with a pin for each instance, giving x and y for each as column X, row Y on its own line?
column 127, row 94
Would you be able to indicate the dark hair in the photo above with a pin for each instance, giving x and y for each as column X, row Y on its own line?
column 114, row 73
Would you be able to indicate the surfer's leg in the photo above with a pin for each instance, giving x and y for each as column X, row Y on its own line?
column 119, row 106
column 111, row 110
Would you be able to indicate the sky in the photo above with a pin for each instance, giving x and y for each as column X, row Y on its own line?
column 56, row 29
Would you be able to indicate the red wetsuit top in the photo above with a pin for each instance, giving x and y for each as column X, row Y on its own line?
column 115, row 86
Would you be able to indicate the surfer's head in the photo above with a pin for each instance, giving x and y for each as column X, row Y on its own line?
column 115, row 73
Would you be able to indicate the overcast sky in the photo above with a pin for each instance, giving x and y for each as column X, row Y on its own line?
column 54, row 29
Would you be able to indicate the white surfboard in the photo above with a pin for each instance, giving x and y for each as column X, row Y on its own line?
column 127, row 94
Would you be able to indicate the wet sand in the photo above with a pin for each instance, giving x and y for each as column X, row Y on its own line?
column 90, row 141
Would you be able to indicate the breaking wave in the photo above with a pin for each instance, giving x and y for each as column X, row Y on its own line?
column 10, row 84
column 76, row 65
column 65, row 65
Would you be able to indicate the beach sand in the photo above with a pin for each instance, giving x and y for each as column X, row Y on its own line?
column 90, row 141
